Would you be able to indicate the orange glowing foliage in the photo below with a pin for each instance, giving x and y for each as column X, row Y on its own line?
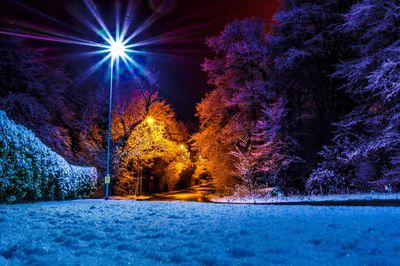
column 147, row 140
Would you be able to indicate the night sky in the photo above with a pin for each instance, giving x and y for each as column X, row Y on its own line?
column 183, row 84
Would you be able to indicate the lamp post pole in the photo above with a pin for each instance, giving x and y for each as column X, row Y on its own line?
column 108, row 177
column 117, row 51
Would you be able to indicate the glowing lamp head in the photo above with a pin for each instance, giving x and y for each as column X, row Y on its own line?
column 150, row 120
column 117, row 49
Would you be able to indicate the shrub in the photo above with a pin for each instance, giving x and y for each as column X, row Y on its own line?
column 29, row 170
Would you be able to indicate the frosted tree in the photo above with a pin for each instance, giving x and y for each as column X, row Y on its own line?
column 211, row 143
column 274, row 148
column 239, row 71
column 156, row 140
column 33, row 93
column 133, row 105
column 367, row 143
column 304, row 47
column 245, row 165
column 230, row 111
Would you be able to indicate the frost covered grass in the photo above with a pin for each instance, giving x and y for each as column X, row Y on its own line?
column 96, row 232
column 307, row 198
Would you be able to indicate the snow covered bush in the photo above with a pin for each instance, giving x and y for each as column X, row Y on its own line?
column 326, row 181
column 29, row 170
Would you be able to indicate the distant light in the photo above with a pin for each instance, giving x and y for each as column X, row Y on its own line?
column 117, row 49
column 150, row 120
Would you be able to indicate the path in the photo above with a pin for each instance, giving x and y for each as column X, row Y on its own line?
column 196, row 193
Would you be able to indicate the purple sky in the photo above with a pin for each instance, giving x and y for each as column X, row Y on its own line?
column 183, row 83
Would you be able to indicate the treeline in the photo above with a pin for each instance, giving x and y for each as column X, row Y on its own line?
column 312, row 106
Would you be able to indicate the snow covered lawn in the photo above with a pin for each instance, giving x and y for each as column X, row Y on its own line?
column 96, row 232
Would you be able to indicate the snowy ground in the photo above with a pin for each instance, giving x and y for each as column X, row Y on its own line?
column 310, row 198
column 96, row 232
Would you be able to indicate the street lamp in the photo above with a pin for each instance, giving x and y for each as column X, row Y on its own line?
column 116, row 49
column 150, row 120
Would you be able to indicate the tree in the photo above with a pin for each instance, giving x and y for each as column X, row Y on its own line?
column 133, row 106
column 139, row 144
column 211, row 143
column 147, row 138
column 273, row 146
column 33, row 93
column 230, row 111
column 367, row 142
column 147, row 146
column 246, row 164
column 304, row 48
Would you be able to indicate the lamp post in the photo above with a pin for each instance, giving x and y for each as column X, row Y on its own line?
column 116, row 49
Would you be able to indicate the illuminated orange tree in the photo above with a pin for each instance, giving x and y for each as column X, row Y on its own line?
column 148, row 142
column 147, row 147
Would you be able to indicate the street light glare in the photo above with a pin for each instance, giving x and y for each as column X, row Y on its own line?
column 150, row 120
column 117, row 49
